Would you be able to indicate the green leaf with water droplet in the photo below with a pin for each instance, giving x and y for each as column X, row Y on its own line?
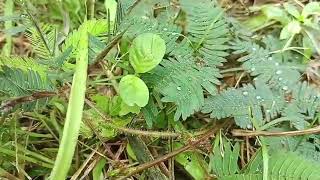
column 146, row 52
column 133, row 91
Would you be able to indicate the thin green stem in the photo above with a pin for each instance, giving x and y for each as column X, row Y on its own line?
column 8, row 11
column 276, row 121
column 265, row 157
column 74, row 113
column 265, row 154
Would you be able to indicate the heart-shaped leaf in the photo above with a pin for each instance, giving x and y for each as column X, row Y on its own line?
column 146, row 52
column 133, row 91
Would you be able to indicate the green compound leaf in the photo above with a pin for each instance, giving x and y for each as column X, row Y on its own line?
column 133, row 91
column 146, row 52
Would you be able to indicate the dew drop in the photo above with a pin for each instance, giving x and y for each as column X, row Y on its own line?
column 268, row 111
column 165, row 29
column 253, row 69
column 277, row 64
column 280, row 79
column 179, row 88
column 245, row 93
column 278, row 72
column 258, row 97
column 254, row 49
column 285, row 88
column 270, row 58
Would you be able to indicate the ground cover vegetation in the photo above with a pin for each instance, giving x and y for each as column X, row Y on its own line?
column 159, row 89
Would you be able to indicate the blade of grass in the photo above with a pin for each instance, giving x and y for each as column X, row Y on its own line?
column 74, row 113
column 12, row 153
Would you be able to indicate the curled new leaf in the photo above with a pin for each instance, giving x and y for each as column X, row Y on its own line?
column 133, row 91
column 146, row 52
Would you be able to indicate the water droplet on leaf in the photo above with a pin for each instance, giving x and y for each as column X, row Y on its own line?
column 179, row 88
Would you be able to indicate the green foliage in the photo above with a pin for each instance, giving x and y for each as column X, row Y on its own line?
column 268, row 67
column 43, row 40
column 192, row 163
column 198, row 64
column 224, row 161
column 146, row 52
column 25, row 64
column 208, row 31
column 94, row 27
column 133, row 91
column 192, row 67
column 16, row 82
column 244, row 103
column 282, row 165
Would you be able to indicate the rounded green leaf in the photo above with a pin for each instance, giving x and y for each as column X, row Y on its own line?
column 146, row 52
column 133, row 91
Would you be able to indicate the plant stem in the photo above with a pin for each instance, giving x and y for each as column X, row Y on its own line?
column 74, row 113
column 8, row 11
column 265, row 157
column 91, row 4
column 239, row 132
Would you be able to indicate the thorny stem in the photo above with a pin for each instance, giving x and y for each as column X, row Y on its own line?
column 133, row 131
column 190, row 145
column 239, row 132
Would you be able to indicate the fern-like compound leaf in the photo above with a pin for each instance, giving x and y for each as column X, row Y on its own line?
column 43, row 40
column 260, row 62
column 245, row 103
column 208, row 30
column 94, row 28
column 16, row 82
